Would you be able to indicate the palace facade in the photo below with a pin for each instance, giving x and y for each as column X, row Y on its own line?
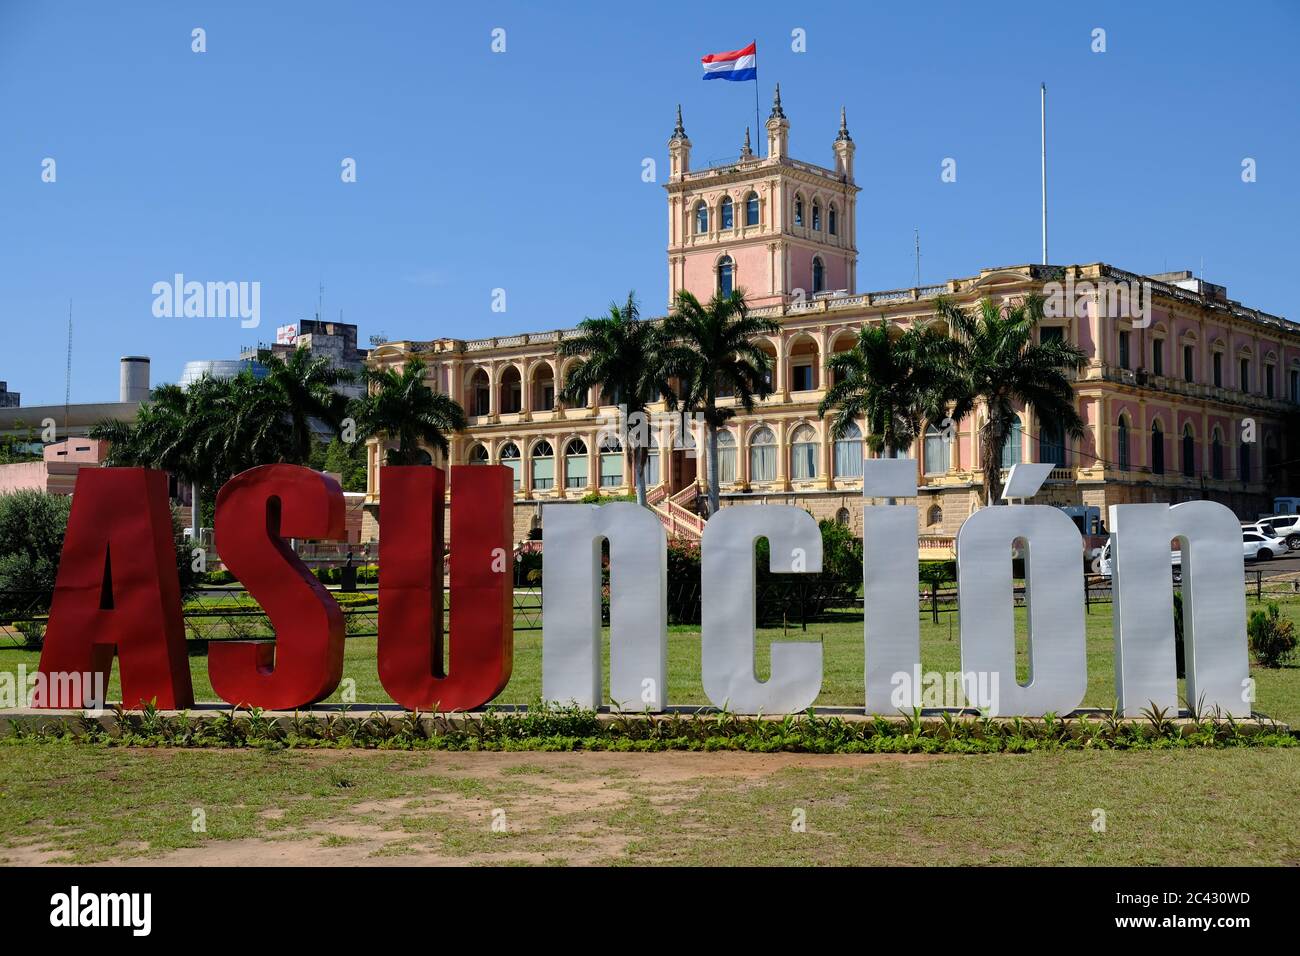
column 1189, row 397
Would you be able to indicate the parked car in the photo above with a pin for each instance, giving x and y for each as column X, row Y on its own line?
column 1254, row 547
column 1286, row 527
column 1262, row 528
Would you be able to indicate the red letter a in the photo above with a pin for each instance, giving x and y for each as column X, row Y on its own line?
column 117, row 588
column 410, row 586
column 256, row 511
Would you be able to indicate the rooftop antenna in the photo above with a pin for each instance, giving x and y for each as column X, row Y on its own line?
column 917, row 236
column 67, row 374
column 320, row 301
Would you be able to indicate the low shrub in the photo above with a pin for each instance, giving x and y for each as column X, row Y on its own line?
column 1272, row 637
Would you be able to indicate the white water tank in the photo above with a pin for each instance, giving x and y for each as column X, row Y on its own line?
column 135, row 378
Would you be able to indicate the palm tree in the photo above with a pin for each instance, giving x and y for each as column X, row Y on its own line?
column 304, row 388
column 179, row 430
column 715, row 354
column 992, row 359
column 400, row 408
column 892, row 383
column 628, row 359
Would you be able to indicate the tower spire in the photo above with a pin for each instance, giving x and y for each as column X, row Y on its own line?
column 777, row 112
column 844, row 127
column 746, row 151
column 679, row 131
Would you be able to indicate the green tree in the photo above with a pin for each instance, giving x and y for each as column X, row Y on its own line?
column 32, row 524
column 714, row 355
column 348, row 461
column 628, row 359
column 992, row 359
column 184, row 431
column 891, row 381
column 400, row 409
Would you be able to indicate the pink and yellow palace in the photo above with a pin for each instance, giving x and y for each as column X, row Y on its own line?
column 1188, row 400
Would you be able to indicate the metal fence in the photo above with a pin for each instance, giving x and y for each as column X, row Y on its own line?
column 230, row 613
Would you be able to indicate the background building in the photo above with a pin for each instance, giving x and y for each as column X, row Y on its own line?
column 1197, row 403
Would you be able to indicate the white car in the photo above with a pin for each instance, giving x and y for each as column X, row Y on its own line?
column 1254, row 547
column 1262, row 529
column 1283, row 526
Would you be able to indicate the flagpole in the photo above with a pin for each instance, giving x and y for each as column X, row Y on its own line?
column 758, row 130
column 1043, row 124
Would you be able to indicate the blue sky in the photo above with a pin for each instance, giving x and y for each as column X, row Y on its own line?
column 522, row 170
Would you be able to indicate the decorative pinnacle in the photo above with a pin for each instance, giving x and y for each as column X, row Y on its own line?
column 679, row 132
column 746, row 150
column 777, row 112
column 844, row 128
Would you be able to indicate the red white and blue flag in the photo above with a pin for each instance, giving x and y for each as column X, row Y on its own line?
column 733, row 65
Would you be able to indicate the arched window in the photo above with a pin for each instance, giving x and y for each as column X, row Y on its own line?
column 726, row 457
column 575, row 464
column 817, row 216
column 833, row 220
column 701, row 218
column 936, row 451
column 478, row 455
column 1216, row 456
column 751, row 209
column 762, row 455
column 512, row 391
column 480, row 393
column 725, row 213
column 1157, row 449
column 1243, row 461
column 842, row 517
column 819, row 275
column 652, row 463
column 1011, row 448
column 611, row 463
column 510, row 458
column 1122, row 440
column 798, row 210
column 934, row 515
column 848, row 453
column 543, row 465
column 803, row 453
column 726, row 275
column 1189, row 451
column 1051, row 443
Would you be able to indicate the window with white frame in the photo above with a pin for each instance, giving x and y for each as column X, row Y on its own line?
column 543, row 466
column 611, row 463
column 510, row 458
column 726, row 457
column 848, row 453
column 762, row 455
column 575, row 464
column 803, row 453
column 936, row 451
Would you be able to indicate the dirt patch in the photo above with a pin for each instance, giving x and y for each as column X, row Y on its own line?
column 493, row 808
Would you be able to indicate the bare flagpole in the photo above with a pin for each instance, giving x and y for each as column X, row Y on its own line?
column 1044, row 140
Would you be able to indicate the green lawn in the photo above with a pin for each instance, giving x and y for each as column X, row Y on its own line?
column 1278, row 690
column 78, row 803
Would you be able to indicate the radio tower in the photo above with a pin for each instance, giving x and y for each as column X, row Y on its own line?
column 67, row 374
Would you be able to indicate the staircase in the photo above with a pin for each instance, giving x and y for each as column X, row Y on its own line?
column 674, row 512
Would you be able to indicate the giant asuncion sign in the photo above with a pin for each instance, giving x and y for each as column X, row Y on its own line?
column 117, row 592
